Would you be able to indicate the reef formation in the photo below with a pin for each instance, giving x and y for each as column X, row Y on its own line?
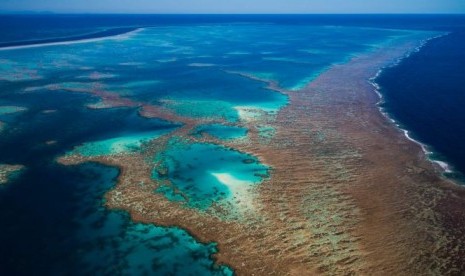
column 325, row 185
column 8, row 171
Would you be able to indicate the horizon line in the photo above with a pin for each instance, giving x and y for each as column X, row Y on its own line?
column 181, row 13
column 3, row 13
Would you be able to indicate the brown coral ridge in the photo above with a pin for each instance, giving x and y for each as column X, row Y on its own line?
column 348, row 193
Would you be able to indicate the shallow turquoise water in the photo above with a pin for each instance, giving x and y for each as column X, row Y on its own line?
column 4, row 110
column 221, row 131
column 116, row 145
column 202, row 174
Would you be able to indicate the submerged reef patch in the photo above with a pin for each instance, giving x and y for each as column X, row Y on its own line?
column 7, row 111
column 4, row 110
column 9, row 171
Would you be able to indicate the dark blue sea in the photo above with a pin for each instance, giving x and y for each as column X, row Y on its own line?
column 53, row 219
column 425, row 93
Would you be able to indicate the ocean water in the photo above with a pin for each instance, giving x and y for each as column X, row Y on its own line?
column 216, row 67
column 425, row 94
column 195, row 70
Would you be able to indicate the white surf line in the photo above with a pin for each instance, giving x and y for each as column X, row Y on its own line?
column 71, row 42
column 447, row 168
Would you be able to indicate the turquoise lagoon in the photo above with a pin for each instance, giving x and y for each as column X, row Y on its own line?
column 202, row 174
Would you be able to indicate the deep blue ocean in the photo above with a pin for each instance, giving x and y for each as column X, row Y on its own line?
column 53, row 218
column 425, row 93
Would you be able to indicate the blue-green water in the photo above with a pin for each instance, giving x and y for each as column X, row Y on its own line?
column 112, row 237
column 221, row 131
column 4, row 110
column 117, row 145
column 202, row 174
column 192, row 70
column 54, row 220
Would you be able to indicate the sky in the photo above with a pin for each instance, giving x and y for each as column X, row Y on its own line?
column 235, row 6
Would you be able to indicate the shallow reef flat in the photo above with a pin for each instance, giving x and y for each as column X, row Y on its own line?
column 223, row 132
column 8, row 171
